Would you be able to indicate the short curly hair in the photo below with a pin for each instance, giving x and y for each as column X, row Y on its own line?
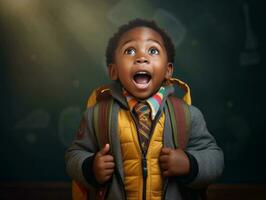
column 114, row 40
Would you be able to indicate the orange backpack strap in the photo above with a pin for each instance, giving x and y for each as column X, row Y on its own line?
column 180, row 121
column 79, row 192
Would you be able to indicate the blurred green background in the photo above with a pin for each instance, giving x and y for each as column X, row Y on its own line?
column 52, row 56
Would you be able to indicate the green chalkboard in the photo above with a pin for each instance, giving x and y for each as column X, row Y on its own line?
column 53, row 55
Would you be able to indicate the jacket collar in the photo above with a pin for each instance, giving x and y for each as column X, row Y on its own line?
column 117, row 93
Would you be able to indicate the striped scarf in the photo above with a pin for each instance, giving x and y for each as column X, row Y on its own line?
column 154, row 101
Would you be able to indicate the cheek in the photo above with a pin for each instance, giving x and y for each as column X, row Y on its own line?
column 161, row 69
column 124, row 66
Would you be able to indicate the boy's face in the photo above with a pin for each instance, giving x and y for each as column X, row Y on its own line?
column 141, row 62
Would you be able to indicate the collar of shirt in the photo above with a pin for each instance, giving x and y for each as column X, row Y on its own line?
column 154, row 101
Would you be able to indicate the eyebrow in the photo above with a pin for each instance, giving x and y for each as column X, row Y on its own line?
column 156, row 41
column 128, row 41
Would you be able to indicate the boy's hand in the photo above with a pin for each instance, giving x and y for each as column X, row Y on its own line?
column 174, row 162
column 103, row 165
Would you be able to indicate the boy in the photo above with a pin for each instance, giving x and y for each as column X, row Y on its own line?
column 141, row 161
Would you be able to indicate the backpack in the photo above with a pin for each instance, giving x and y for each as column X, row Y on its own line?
column 179, row 118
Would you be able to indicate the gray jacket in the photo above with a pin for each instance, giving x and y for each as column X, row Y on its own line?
column 201, row 145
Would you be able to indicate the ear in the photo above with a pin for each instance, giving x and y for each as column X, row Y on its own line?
column 112, row 72
column 169, row 71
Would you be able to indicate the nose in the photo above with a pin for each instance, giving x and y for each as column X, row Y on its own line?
column 141, row 60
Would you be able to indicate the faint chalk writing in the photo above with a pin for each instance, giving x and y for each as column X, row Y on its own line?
column 37, row 119
column 127, row 10
column 171, row 24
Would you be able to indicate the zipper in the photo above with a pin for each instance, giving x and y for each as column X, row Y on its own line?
column 143, row 155
column 144, row 160
column 144, row 174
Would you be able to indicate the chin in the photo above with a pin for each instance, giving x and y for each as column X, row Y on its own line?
column 142, row 96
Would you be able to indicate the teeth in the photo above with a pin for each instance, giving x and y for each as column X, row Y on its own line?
column 142, row 72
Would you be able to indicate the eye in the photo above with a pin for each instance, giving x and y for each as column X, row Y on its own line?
column 130, row 51
column 153, row 51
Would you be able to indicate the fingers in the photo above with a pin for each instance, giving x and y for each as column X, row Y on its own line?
column 108, row 158
column 109, row 165
column 166, row 173
column 103, row 170
column 103, row 164
column 104, row 155
column 108, row 172
column 165, row 151
column 105, row 150
column 164, row 166
column 163, row 158
column 105, row 175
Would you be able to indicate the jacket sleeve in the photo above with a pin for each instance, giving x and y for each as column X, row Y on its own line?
column 82, row 149
column 203, row 147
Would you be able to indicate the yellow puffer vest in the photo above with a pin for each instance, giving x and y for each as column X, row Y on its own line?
column 131, row 156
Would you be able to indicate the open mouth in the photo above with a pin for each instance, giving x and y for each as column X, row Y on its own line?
column 142, row 79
